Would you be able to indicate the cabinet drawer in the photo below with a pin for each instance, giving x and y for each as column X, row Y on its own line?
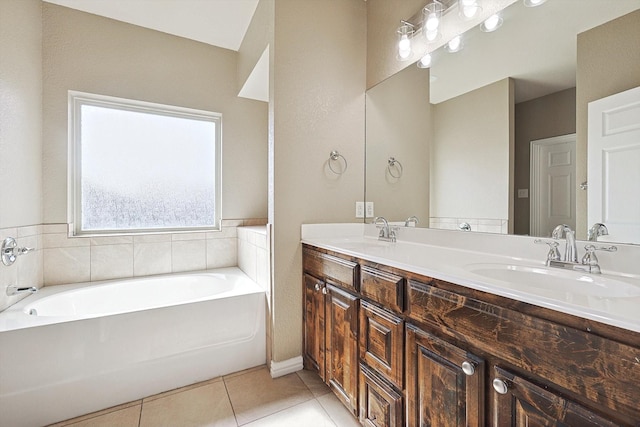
column 334, row 270
column 380, row 404
column 573, row 359
column 382, row 287
column 382, row 342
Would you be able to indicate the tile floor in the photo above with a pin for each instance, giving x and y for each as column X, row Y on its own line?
column 249, row 398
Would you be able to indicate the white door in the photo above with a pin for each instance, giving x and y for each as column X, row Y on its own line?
column 614, row 165
column 553, row 184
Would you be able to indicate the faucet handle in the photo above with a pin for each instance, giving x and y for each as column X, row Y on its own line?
column 554, row 253
column 591, row 259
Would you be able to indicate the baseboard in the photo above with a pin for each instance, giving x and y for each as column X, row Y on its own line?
column 279, row 369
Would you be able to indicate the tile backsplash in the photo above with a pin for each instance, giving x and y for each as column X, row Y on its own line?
column 59, row 259
column 484, row 225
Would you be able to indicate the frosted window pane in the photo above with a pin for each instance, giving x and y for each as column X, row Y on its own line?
column 142, row 170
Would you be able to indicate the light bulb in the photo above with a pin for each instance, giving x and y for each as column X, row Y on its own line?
column 468, row 9
column 454, row 45
column 425, row 61
column 404, row 47
column 432, row 22
column 431, row 35
column 533, row 3
column 492, row 23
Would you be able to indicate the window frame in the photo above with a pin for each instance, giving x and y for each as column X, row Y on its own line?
column 76, row 100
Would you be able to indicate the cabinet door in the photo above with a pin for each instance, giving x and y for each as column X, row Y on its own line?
column 342, row 345
column 520, row 403
column 380, row 403
column 314, row 303
column 445, row 384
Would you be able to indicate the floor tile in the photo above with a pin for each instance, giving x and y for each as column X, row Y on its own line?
column 182, row 389
column 337, row 411
column 314, row 383
column 196, row 407
column 128, row 417
column 256, row 395
column 307, row 414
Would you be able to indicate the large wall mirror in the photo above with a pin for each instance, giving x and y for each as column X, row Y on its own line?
column 474, row 141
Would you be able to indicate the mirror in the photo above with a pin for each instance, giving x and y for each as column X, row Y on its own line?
column 462, row 130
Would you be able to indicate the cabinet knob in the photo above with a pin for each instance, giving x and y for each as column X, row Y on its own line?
column 500, row 386
column 324, row 290
column 318, row 286
column 468, row 368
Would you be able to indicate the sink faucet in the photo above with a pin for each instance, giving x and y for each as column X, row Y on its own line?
column 386, row 233
column 570, row 250
column 598, row 229
column 412, row 219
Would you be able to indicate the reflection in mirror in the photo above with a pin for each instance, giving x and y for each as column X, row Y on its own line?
column 488, row 103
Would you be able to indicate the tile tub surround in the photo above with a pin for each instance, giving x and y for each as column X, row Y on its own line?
column 248, row 398
column 444, row 254
column 59, row 259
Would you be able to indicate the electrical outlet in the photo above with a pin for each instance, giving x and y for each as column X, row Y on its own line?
column 359, row 209
column 523, row 193
column 369, row 209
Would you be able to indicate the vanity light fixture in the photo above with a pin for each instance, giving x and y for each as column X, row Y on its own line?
column 431, row 19
column 405, row 31
column 533, row 3
column 469, row 9
column 454, row 45
column 492, row 23
column 425, row 61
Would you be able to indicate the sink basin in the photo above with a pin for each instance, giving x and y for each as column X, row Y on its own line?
column 550, row 279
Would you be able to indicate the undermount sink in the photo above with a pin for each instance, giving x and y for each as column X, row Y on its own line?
column 549, row 279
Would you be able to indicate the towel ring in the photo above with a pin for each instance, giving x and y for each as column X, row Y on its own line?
column 394, row 164
column 335, row 156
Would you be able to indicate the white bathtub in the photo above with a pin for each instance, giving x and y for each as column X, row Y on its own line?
column 92, row 346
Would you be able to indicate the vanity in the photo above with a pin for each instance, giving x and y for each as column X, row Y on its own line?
column 412, row 333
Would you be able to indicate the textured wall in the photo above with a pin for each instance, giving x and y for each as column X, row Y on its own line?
column 20, row 113
column 318, row 106
column 93, row 54
column 608, row 63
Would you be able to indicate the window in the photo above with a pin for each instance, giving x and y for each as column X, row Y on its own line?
column 141, row 167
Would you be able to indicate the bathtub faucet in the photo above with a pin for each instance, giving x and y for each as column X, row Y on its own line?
column 15, row 290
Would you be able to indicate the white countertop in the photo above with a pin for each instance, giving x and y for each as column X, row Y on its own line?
column 458, row 261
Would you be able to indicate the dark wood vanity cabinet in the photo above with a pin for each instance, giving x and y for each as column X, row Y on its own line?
column 423, row 352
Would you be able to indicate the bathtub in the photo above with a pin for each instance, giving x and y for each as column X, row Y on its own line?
column 73, row 349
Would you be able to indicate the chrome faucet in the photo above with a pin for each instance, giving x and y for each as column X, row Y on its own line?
column 15, row 290
column 386, row 233
column 570, row 250
column 588, row 263
column 598, row 229
column 412, row 219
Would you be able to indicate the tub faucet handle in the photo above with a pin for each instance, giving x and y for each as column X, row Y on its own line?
column 10, row 251
column 15, row 290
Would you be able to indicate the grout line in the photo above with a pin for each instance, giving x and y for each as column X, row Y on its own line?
column 235, row 417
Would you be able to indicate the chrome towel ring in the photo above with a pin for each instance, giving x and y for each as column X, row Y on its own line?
column 334, row 156
column 394, row 164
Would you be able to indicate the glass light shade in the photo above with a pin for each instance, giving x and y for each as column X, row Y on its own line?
column 492, row 23
column 425, row 61
column 533, row 3
column 431, row 15
column 469, row 9
column 454, row 45
column 404, row 41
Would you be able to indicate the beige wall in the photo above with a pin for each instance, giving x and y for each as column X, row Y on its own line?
column 470, row 156
column 255, row 40
column 20, row 113
column 318, row 106
column 608, row 63
column 93, row 54
column 399, row 126
column 544, row 117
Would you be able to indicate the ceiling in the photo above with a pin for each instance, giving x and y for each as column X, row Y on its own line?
column 221, row 23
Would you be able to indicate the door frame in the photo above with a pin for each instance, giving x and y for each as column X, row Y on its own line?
column 534, row 178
